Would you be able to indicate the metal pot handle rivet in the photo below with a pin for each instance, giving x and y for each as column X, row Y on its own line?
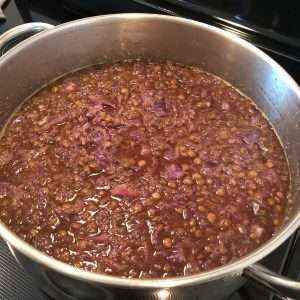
column 17, row 34
column 278, row 284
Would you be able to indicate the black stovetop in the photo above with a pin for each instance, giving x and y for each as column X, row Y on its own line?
column 272, row 25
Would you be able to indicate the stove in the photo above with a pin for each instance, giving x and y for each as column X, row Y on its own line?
column 272, row 25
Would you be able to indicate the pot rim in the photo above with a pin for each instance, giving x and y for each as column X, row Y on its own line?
column 234, row 269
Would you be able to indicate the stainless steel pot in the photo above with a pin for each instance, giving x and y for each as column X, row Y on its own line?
column 74, row 45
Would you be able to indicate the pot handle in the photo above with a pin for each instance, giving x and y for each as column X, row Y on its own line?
column 278, row 284
column 17, row 34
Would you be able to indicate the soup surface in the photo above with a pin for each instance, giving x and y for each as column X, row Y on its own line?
column 142, row 170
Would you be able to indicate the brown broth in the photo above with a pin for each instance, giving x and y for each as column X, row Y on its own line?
column 142, row 170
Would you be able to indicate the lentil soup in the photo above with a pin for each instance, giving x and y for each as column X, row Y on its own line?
column 142, row 170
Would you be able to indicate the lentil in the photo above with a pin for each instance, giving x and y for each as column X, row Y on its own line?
column 151, row 212
column 220, row 192
column 269, row 164
column 156, row 196
column 197, row 161
column 141, row 163
column 167, row 242
column 187, row 181
column 252, row 173
column 211, row 217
